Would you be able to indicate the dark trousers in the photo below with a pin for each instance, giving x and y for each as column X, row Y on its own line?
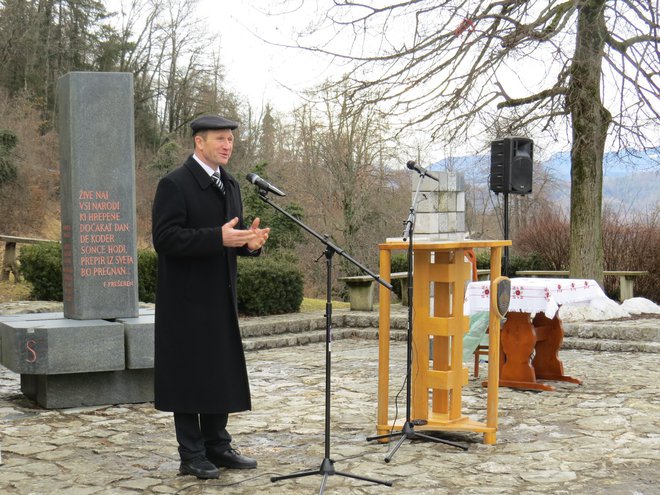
column 201, row 434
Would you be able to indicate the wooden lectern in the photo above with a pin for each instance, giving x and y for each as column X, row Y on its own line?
column 436, row 392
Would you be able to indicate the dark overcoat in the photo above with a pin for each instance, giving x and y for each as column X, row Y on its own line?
column 199, row 362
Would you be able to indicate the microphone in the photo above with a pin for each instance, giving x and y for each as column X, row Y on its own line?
column 264, row 185
column 420, row 170
column 412, row 165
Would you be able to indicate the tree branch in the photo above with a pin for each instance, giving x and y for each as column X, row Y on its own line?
column 622, row 46
column 542, row 95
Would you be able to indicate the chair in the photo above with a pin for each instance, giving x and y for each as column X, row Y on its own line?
column 482, row 349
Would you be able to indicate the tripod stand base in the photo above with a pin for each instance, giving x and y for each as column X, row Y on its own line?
column 408, row 433
column 327, row 469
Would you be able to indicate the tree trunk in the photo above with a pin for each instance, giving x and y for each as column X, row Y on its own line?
column 590, row 123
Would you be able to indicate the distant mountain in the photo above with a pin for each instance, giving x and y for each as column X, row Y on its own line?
column 614, row 164
column 631, row 180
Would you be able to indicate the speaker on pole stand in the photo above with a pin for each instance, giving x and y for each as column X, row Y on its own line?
column 511, row 164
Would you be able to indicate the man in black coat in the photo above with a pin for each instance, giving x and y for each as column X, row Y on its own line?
column 200, row 371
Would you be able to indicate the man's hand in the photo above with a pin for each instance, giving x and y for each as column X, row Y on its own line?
column 232, row 237
column 260, row 236
column 254, row 237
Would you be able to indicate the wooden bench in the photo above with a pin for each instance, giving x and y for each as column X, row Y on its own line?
column 361, row 289
column 626, row 278
column 9, row 264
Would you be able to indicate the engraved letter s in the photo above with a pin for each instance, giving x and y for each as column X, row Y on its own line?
column 28, row 346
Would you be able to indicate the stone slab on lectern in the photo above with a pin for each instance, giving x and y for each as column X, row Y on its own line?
column 97, row 154
column 441, row 208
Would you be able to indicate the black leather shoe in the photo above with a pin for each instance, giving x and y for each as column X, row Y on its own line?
column 200, row 467
column 233, row 459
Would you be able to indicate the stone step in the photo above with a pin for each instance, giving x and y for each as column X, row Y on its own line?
column 293, row 339
column 621, row 336
column 304, row 323
column 358, row 319
column 636, row 330
column 314, row 336
column 284, row 325
column 614, row 345
column 372, row 334
column 282, row 340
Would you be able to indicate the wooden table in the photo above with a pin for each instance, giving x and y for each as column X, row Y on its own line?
column 440, row 320
column 626, row 278
column 530, row 344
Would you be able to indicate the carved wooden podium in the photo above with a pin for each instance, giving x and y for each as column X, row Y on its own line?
column 438, row 320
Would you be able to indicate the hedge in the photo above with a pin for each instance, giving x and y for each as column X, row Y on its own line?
column 268, row 286
column 265, row 285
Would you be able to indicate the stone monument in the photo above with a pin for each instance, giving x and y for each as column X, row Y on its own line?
column 97, row 176
column 100, row 350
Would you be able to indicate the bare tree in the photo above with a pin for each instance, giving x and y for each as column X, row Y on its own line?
column 591, row 66
column 178, row 74
column 340, row 151
column 42, row 40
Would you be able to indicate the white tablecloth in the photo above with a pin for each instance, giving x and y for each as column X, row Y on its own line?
column 533, row 295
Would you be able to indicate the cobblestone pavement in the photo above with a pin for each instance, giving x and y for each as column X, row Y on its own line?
column 600, row 437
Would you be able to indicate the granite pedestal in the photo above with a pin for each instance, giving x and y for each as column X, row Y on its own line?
column 72, row 363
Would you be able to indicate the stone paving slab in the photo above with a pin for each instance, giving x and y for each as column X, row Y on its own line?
column 600, row 437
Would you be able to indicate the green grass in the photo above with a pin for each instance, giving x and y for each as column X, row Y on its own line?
column 309, row 304
column 13, row 291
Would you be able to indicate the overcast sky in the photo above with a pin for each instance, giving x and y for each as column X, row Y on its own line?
column 263, row 72
column 258, row 70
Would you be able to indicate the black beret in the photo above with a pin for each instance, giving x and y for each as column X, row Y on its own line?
column 211, row 122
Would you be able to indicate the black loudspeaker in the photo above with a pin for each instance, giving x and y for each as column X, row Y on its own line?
column 511, row 161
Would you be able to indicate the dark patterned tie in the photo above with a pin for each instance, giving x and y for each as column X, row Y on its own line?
column 218, row 182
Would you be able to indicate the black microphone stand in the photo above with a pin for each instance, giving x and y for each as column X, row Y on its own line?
column 407, row 431
column 327, row 467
